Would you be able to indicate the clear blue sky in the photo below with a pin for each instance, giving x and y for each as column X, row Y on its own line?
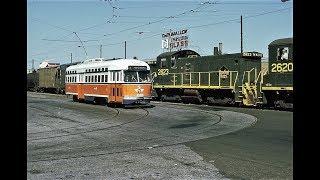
column 50, row 26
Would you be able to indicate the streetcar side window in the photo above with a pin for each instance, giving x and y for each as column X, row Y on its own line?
column 106, row 78
column 118, row 75
column 98, row 78
column 102, row 78
column 95, row 78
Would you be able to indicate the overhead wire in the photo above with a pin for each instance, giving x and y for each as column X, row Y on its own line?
column 156, row 21
column 205, row 25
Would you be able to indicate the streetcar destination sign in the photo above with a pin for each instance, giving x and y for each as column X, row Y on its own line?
column 137, row 68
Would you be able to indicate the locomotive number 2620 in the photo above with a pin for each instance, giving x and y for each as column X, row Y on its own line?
column 282, row 67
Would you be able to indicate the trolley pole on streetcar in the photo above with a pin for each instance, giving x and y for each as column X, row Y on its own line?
column 241, row 41
column 125, row 49
column 71, row 57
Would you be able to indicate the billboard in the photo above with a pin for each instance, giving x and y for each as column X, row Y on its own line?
column 175, row 39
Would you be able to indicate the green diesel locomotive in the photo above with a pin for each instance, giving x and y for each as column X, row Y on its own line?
column 232, row 79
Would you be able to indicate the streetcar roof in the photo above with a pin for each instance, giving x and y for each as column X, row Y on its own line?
column 119, row 64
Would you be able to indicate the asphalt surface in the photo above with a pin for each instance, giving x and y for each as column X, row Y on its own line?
column 69, row 140
column 264, row 151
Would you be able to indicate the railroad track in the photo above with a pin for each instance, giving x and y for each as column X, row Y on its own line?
column 73, row 127
column 192, row 132
column 226, row 105
column 92, row 130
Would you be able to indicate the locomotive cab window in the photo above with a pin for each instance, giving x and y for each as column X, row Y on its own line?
column 283, row 53
column 173, row 62
column 163, row 62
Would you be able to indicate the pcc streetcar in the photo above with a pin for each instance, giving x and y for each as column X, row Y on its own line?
column 124, row 82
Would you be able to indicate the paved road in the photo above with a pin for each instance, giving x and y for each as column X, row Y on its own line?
column 68, row 140
column 263, row 151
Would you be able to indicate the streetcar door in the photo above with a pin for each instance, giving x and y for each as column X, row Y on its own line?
column 116, row 87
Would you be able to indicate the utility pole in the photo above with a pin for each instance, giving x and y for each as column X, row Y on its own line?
column 125, row 49
column 169, row 40
column 241, row 41
column 100, row 50
column 71, row 57
column 32, row 64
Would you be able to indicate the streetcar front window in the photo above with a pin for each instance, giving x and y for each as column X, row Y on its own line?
column 130, row 76
column 144, row 76
column 137, row 76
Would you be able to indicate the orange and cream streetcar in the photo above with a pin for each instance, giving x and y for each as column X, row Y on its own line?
column 123, row 81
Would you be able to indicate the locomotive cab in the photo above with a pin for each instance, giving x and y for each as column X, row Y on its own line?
column 278, row 82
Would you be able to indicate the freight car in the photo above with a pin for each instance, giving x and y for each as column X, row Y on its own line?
column 32, row 81
column 49, row 79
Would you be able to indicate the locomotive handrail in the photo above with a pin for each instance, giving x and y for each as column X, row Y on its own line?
column 243, row 77
column 256, row 80
column 232, row 82
column 235, row 80
column 249, row 72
